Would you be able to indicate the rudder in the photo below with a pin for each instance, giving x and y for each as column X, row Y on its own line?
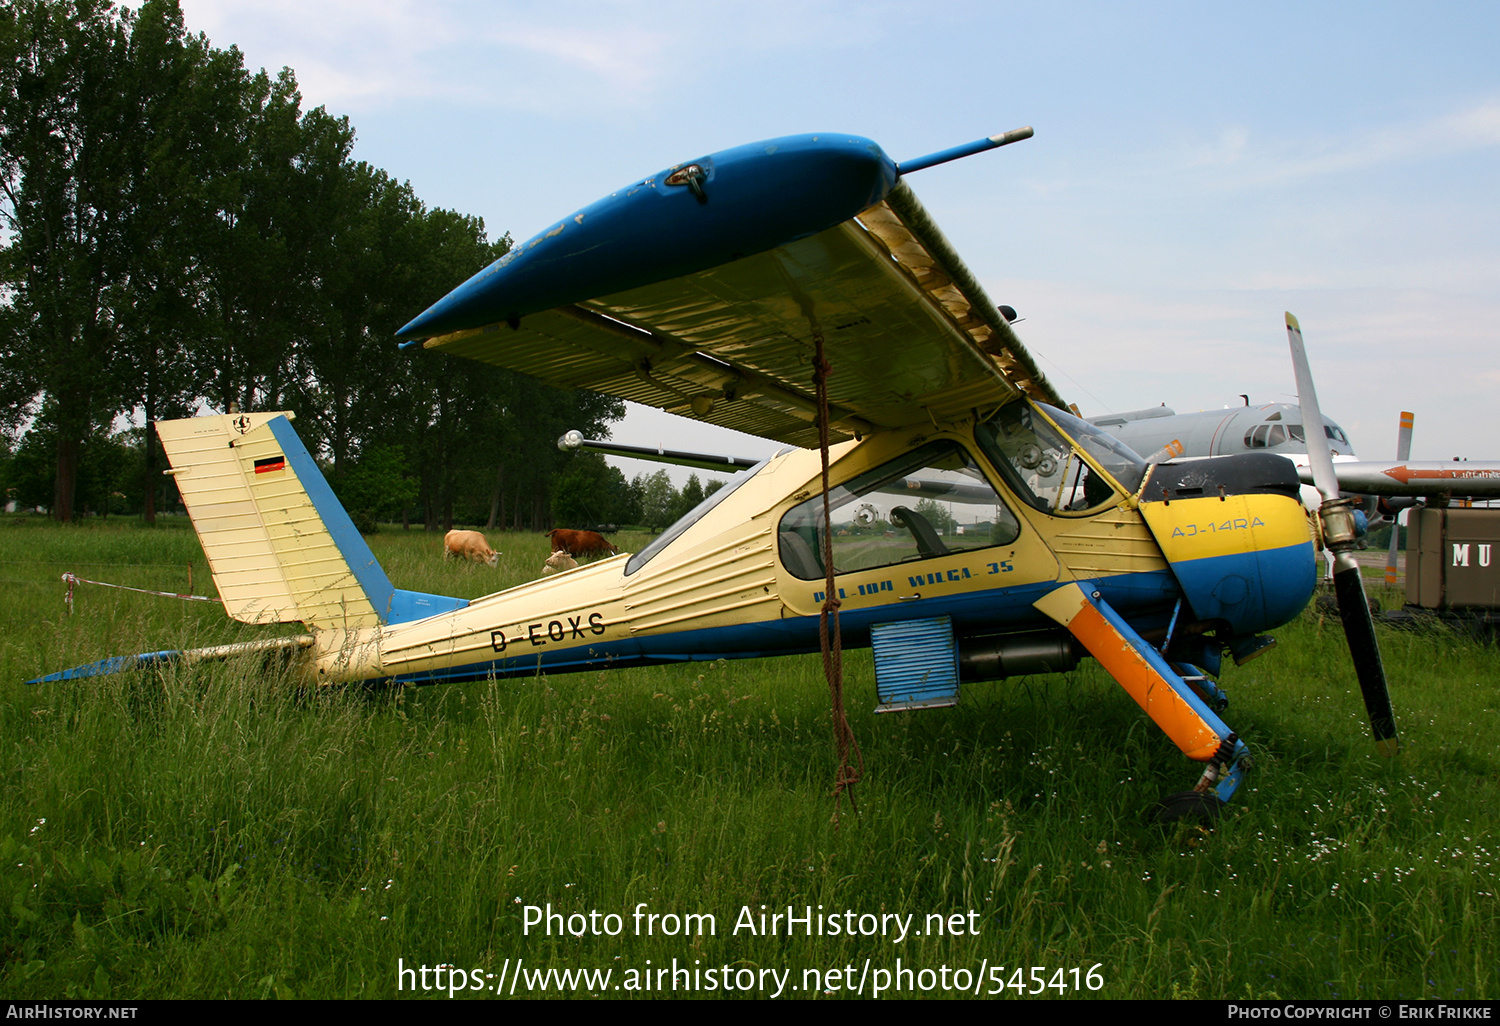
column 279, row 544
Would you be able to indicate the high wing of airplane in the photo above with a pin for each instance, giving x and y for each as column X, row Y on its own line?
column 840, row 248
column 934, row 500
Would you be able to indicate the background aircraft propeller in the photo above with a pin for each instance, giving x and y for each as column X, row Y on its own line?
column 1336, row 517
column 1403, row 454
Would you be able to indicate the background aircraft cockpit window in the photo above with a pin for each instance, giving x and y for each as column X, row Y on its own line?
column 1045, row 468
column 932, row 501
column 1333, row 431
column 1263, row 436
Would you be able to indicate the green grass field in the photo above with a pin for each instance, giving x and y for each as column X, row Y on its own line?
column 217, row 833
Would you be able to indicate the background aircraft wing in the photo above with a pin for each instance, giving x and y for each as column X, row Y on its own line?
column 910, row 335
column 1479, row 479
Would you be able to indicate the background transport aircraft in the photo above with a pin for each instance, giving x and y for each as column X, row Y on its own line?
column 1159, row 433
column 1273, row 427
column 1389, row 486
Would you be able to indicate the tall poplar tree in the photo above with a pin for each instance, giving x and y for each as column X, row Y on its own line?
column 181, row 98
column 60, row 79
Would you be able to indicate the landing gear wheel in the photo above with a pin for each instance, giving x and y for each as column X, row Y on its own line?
column 1198, row 805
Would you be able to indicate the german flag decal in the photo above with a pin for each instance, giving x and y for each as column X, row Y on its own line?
column 269, row 464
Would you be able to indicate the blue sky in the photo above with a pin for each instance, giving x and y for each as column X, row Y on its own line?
column 1197, row 168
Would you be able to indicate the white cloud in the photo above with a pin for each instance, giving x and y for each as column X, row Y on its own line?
column 1479, row 125
column 514, row 55
column 1283, row 163
column 558, row 57
column 1228, row 149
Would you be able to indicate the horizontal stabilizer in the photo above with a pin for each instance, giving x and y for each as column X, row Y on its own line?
column 120, row 664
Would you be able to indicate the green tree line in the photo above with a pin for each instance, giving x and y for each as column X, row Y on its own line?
column 178, row 231
column 591, row 493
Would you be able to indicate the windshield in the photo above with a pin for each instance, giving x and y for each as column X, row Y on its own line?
column 1044, row 465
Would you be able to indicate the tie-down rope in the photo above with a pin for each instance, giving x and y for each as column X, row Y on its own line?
column 830, row 638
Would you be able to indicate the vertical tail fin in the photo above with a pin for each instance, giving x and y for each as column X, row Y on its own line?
column 279, row 544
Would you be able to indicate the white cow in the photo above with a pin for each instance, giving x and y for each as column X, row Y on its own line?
column 469, row 545
column 558, row 562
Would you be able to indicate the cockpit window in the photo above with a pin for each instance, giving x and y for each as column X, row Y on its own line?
column 930, row 502
column 692, row 516
column 1045, row 466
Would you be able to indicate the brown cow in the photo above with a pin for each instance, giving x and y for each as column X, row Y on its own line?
column 469, row 545
column 580, row 543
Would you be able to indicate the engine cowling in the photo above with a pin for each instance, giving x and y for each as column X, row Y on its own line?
column 1237, row 537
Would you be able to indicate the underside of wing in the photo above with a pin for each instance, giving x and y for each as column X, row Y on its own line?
column 910, row 336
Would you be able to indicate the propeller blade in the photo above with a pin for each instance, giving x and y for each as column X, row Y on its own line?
column 1403, row 438
column 1319, row 458
column 1339, row 535
column 1403, row 454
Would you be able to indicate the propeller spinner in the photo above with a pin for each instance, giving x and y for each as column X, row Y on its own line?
column 1336, row 519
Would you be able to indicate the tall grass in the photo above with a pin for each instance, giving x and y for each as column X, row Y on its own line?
column 220, row 832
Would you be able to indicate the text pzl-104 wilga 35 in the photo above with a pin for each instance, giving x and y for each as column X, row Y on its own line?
column 976, row 530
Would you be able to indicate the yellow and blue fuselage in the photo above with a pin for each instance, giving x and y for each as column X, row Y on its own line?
column 1233, row 564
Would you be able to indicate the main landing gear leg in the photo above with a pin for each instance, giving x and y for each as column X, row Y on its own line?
column 1159, row 690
